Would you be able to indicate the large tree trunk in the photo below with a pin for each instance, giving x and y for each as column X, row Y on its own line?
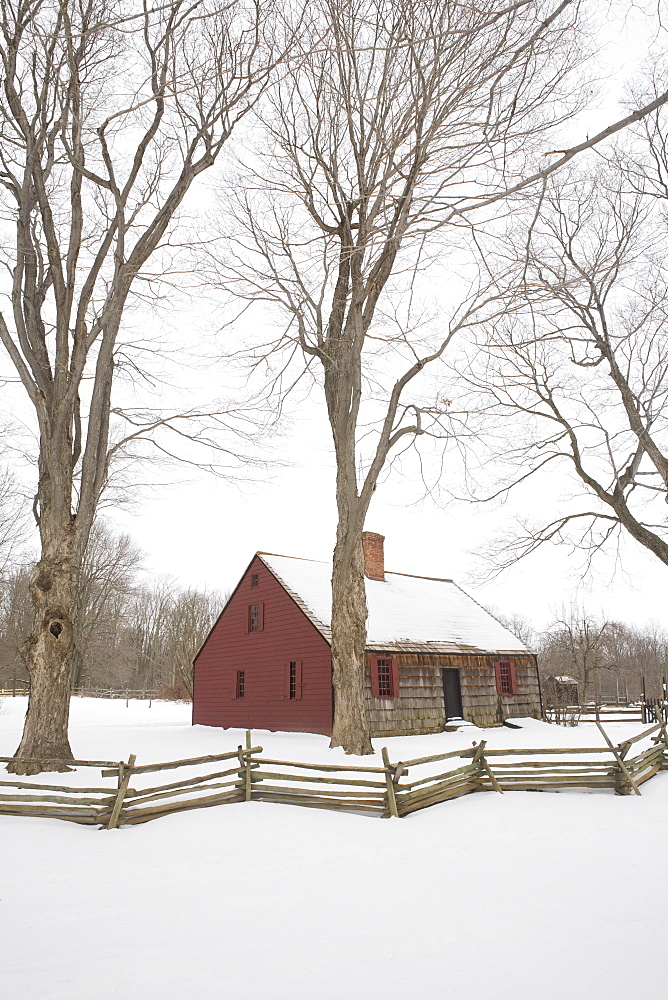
column 350, row 729
column 49, row 657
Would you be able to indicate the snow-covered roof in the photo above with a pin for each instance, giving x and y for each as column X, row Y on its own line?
column 564, row 679
column 406, row 613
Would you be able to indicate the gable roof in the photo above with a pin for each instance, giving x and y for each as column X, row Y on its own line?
column 406, row 613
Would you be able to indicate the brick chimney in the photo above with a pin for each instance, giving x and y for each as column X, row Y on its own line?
column 374, row 555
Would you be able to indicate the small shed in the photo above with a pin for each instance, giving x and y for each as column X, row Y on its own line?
column 562, row 690
column 433, row 653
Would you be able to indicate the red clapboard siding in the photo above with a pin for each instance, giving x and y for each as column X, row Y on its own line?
column 285, row 634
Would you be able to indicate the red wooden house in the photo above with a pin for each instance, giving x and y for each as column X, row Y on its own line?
column 434, row 654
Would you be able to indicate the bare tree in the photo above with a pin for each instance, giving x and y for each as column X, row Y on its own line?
column 578, row 377
column 13, row 578
column 105, row 591
column 398, row 121
column 575, row 645
column 637, row 655
column 129, row 632
column 166, row 627
column 518, row 624
column 12, row 521
column 193, row 614
column 610, row 660
column 109, row 111
column 150, row 623
column 15, row 624
column 105, row 585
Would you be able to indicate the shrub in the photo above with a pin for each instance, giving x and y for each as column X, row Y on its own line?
column 174, row 692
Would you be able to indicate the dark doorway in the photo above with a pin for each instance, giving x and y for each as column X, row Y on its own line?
column 452, row 693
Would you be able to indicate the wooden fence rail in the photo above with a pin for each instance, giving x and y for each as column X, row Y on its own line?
column 395, row 789
column 19, row 686
column 645, row 712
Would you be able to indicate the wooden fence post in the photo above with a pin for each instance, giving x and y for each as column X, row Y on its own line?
column 124, row 775
column 662, row 735
column 249, row 761
column 245, row 761
column 389, row 783
column 619, row 758
column 644, row 702
column 495, row 784
column 479, row 758
column 242, row 766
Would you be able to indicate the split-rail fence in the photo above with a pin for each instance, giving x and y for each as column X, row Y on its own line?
column 395, row 789
column 647, row 711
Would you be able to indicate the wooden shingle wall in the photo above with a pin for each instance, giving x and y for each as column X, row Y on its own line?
column 420, row 708
column 483, row 705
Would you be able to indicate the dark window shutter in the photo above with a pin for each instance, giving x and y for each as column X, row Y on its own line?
column 497, row 671
column 513, row 678
column 373, row 669
column 261, row 610
column 298, row 685
column 232, row 685
column 286, row 680
column 395, row 677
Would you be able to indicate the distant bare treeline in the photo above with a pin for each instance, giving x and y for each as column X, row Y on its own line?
column 608, row 660
column 130, row 633
column 142, row 634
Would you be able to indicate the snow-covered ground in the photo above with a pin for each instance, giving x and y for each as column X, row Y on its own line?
column 520, row 896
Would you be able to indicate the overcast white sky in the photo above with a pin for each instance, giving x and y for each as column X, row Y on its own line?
column 203, row 532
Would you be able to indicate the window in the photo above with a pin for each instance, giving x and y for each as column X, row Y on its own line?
column 255, row 579
column 384, row 668
column 505, row 677
column 293, row 680
column 255, row 617
column 241, row 684
column 384, row 677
